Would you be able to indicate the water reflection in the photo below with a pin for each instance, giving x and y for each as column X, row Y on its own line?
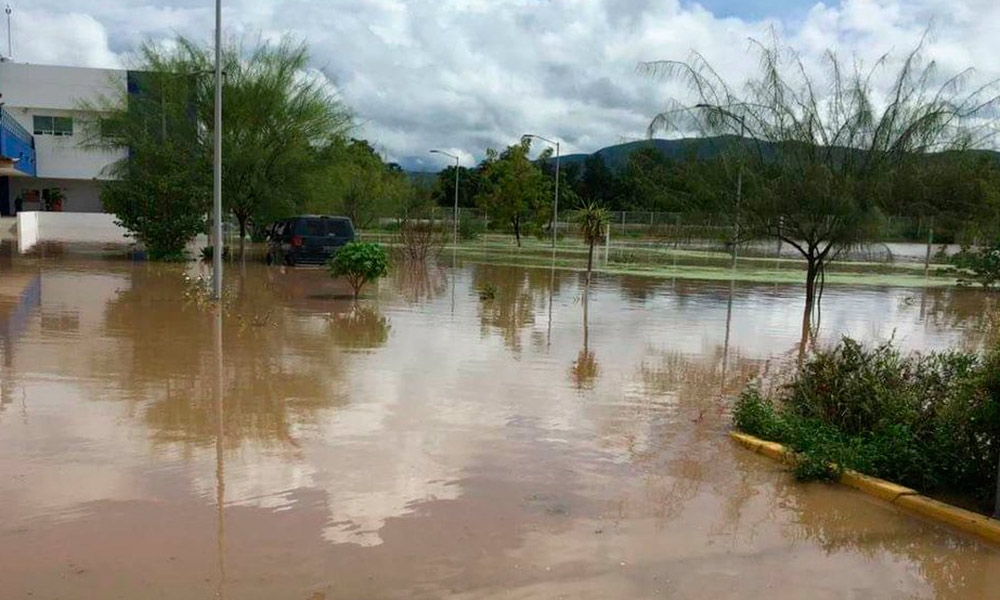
column 585, row 369
column 403, row 446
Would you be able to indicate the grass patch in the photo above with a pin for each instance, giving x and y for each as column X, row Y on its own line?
column 930, row 422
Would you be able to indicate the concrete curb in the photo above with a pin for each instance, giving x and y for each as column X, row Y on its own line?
column 904, row 497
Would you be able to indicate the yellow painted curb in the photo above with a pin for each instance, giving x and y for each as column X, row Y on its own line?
column 904, row 497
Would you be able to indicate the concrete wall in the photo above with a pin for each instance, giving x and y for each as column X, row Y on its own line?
column 87, row 228
column 57, row 88
column 82, row 195
column 27, row 230
column 30, row 90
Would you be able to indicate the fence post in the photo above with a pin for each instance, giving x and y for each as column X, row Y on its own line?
column 607, row 243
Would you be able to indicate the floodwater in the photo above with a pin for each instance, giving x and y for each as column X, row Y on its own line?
column 426, row 443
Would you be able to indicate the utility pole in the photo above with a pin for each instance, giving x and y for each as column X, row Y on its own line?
column 10, row 42
column 217, row 159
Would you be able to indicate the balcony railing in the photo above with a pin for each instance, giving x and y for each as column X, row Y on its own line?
column 17, row 143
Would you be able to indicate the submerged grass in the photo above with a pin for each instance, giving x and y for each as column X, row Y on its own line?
column 930, row 422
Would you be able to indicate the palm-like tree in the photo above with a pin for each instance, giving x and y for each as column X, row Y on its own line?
column 592, row 219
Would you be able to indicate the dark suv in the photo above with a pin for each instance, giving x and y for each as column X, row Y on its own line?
column 307, row 239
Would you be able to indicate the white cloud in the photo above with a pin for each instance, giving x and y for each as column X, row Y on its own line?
column 467, row 74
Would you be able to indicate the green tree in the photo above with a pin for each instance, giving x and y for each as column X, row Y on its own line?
column 593, row 219
column 161, row 190
column 360, row 263
column 276, row 120
column 353, row 180
column 817, row 169
column 468, row 187
column 513, row 187
column 274, row 114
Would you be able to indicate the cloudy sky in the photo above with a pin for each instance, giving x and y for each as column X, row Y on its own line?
column 464, row 75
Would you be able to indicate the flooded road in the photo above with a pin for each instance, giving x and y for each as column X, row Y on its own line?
column 427, row 443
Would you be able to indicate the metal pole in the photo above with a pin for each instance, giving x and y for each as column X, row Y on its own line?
column 455, row 224
column 555, row 208
column 217, row 159
column 10, row 43
column 736, row 225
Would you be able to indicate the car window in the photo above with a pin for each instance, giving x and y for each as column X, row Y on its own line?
column 339, row 227
column 312, row 227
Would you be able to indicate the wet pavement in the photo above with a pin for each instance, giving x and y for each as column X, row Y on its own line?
column 426, row 443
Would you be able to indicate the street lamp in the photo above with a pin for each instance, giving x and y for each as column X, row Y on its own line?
column 555, row 205
column 217, row 161
column 455, row 218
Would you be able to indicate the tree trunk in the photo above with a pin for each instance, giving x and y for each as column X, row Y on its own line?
column 517, row 230
column 812, row 273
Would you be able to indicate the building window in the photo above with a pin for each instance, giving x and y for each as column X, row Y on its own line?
column 53, row 125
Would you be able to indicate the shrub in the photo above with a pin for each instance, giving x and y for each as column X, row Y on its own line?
column 359, row 263
column 420, row 239
column 931, row 422
column 469, row 227
column 978, row 265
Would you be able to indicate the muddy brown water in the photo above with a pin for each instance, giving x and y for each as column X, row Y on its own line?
column 426, row 443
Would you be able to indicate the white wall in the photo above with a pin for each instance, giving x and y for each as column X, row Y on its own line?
column 82, row 195
column 57, row 88
column 44, row 90
column 27, row 230
column 88, row 228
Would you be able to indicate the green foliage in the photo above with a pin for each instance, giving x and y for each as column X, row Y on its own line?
column 593, row 220
column 359, row 263
column 931, row 422
column 469, row 227
column 277, row 122
column 354, row 181
column 979, row 265
column 816, row 172
column 514, row 187
column 159, row 198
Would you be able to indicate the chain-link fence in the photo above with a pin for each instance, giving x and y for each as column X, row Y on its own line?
column 656, row 237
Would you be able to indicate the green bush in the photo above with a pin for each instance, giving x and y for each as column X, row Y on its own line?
column 978, row 265
column 931, row 422
column 359, row 263
column 469, row 227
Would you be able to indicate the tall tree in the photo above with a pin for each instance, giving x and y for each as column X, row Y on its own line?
column 816, row 168
column 513, row 187
column 275, row 118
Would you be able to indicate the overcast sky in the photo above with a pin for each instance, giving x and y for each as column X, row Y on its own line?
column 464, row 75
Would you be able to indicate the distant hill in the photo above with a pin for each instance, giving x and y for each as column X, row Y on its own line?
column 616, row 156
column 422, row 178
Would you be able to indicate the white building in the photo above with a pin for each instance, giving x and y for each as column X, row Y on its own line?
column 43, row 165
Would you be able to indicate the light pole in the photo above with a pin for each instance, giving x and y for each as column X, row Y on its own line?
column 455, row 218
column 217, row 160
column 555, row 204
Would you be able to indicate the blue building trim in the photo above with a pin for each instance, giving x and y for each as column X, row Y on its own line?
column 17, row 143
